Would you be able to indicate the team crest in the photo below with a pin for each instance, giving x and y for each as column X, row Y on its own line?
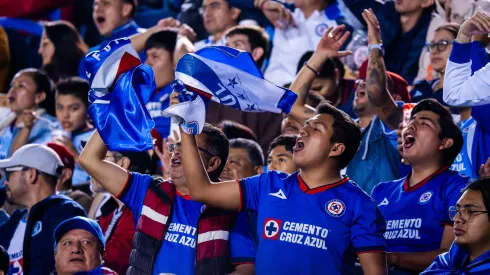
column 335, row 208
column 271, row 229
column 321, row 29
column 425, row 197
column 38, row 227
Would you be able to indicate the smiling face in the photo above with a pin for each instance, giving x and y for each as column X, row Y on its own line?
column 108, row 15
column 77, row 251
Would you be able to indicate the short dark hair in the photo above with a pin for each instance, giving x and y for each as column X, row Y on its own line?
column 255, row 154
column 166, row 39
column 345, row 131
column 453, row 28
column 234, row 129
column 134, row 4
column 328, row 68
column 288, row 141
column 314, row 99
column 74, row 86
column 218, row 145
column 140, row 162
column 43, row 84
column 449, row 129
column 482, row 185
column 4, row 260
column 257, row 37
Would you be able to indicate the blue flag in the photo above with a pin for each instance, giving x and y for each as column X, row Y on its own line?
column 229, row 77
column 120, row 87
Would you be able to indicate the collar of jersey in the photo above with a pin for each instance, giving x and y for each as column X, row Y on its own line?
column 307, row 190
column 407, row 187
column 185, row 197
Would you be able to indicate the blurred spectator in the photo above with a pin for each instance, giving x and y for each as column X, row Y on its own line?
column 31, row 99
column 160, row 48
column 64, row 184
column 31, row 176
column 72, row 114
column 116, row 220
column 218, row 16
column 404, row 26
column 330, row 83
column 439, row 49
column 470, row 251
column 3, row 196
column 190, row 15
column 291, row 125
column 252, row 39
column 31, row 8
column 61, row 49
column 234, row 130
column 292, row 39
column 266, row 125
column 245, row 159
column 416, row 206
column 281, row 154
column 4, row 261
column 379, row 100
column 79, row 248
column 178, row 251
column 4, row 59
column 113, row 19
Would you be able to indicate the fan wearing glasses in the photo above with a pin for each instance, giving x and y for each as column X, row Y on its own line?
column 470, row 251
column 439, row 50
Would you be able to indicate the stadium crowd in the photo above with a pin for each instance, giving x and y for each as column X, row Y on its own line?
column 382, row 165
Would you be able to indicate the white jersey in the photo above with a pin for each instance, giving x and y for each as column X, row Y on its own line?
column 16, row 249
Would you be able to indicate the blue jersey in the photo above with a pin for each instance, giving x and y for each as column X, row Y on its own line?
column 178, row 252
column 159, row 101
column 79, row 140
column 462, row 163
column 309, row 231
column 414, row 215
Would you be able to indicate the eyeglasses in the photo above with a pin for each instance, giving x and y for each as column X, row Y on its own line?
column 464, row 213
column 440, row 46
column 10, row 170
column 174, row 146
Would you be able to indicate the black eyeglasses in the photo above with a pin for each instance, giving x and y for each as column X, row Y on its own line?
column 464, row 213
column 10, row 170
column 174, row 146
column 440, row 46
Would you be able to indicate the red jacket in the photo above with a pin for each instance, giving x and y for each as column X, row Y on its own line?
column 118, row 244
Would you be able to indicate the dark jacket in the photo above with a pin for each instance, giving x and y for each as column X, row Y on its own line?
column 38, row 251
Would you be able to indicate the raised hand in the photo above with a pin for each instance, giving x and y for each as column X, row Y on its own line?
column 333, row 39
column 28, row 117
column 485, row 169
column 478, row 24
column 374, row 30
column 277, row 14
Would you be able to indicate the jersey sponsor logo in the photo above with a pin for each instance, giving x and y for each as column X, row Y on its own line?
column 425, row 197
column 293, row 232
column 154, row 109
column 335, row 208
column 403, row 229
column 321, row 28
column 279, row 194
column 182, row 234
column 38, row 227
column 384, row 202
column 271, row 228
column 458, row 164
column 16, row 267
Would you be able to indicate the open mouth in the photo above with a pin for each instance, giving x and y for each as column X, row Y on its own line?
column 299, row 145
column 408, row 141
column 76, row 260
column 11, row 99
column 100, row 19
column 174, row 162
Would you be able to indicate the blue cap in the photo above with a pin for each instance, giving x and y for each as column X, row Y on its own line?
column 79, row 223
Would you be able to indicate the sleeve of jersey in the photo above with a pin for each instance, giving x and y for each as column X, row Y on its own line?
column 250, row 191
column 453, row 192
column 134, row 192
column 242, row 244
column 439, row 266
column 367, row 231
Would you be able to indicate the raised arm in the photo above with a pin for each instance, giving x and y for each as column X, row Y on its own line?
column 376, row 79
column 460, row 87
column 328, row 47
column 224, row 195
column 112, row 177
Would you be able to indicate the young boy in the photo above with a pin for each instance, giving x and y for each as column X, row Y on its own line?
column 281, row 154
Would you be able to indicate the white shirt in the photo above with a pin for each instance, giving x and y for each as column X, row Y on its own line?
column 463, row 89
column 16, row 248
column 291, row 43
column 209, row 42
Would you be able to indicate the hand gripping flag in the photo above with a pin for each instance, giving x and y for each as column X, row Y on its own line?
column 229, row 77
column 120, row 87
